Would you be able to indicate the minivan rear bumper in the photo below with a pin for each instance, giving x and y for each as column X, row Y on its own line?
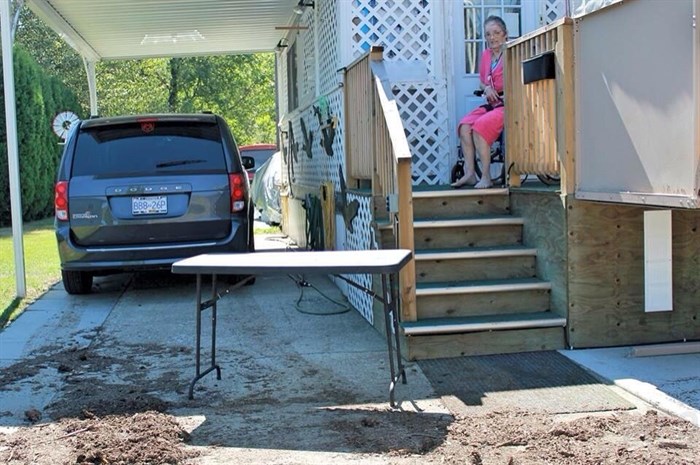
column 143, row 257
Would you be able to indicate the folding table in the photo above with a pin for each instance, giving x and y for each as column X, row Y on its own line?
column 386, row 263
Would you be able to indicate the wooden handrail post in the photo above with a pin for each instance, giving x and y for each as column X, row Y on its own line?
column 376, row 53
column 565, row 114
column 406, row 240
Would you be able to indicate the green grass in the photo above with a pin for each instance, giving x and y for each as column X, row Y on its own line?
column 41, row 266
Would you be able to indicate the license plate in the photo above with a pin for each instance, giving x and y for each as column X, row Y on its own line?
column 151, row 205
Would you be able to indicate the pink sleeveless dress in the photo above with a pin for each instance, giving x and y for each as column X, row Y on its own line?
column 488, row 124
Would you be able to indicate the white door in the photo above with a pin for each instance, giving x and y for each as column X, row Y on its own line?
column 468, row 17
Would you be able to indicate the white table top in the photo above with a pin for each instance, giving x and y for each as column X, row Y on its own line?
column 327, row 261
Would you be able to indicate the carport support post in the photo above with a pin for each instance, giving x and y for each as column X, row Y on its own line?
column 12, row 151
column 92, row 86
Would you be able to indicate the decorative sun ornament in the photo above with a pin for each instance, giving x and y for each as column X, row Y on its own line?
column 62, row 123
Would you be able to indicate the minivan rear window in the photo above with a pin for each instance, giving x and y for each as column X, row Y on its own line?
column 149, row 148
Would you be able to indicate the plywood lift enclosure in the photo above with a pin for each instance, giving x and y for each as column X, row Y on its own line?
column 637, row 104
column 637, row 115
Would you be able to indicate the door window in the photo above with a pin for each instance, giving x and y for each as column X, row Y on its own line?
column 474, row 13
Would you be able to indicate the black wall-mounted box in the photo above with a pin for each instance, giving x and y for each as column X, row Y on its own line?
column 538, row 67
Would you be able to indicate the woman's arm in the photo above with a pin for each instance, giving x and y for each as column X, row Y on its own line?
column 484, row 73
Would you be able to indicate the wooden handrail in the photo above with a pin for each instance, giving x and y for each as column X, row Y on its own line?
column 375, row 138
column 539, row 118
column 359, row 132
column 393, row 168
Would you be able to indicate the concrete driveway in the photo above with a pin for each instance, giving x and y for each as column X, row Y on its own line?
column 293, row 384
column 291, row 381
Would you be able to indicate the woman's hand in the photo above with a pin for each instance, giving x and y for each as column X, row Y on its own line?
column 490, row 95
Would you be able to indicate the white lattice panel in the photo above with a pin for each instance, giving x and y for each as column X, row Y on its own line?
column 362, row 238
column 328, row 45
column 282, row 82
column 551, row 10
column 311, row 171
column 403, row 27
column 423, row 110
column 306, row 51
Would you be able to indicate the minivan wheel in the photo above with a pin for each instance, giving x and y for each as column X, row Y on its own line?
column 77, row 282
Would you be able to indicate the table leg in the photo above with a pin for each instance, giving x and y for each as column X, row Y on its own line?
column 214, row 300
column 397, row 336
column 391, row 324
column 200, row 307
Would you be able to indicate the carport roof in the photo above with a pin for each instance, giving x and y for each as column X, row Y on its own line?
column 133, row 29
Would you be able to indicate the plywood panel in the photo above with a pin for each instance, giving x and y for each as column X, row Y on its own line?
column 606, row 277
column 461, row 269
column 545, row 229
column 487, row 303
column 457, row 207
column 488, row 342
column 686, row 268
column 467, row 236
column 621, row 113
column 294, row 220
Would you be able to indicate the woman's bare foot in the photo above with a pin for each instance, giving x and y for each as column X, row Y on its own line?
column 484, row 183
column 466, row 180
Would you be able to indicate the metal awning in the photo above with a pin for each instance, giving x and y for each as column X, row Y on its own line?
column 133, row 29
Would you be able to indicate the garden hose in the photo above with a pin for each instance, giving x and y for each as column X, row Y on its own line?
column 301, row 284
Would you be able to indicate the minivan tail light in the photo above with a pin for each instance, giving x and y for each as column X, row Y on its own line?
column 238, row 188
column 61, row 200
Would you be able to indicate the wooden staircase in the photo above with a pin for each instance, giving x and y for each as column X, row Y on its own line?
column 477, row 290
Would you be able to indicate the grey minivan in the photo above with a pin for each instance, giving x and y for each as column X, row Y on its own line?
column 141, row 192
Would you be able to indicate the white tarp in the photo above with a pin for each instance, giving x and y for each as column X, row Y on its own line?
column 265, row 191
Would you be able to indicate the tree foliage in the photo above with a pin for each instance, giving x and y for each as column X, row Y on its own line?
column 241, row 88
column 50, row 77
column 53, row 54
column 238, row 87
column 132, row 86
column 37, row 95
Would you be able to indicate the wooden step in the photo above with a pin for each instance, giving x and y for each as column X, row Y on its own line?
column 504, row 262
column 483, row 231
column 489, row 297
column 467, row 232
column 484, row 343
column 472, row 324
column 455, row 203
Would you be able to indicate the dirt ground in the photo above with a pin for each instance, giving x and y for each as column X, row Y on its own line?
column 105, row 397
column 94, row 422
column 494, row 438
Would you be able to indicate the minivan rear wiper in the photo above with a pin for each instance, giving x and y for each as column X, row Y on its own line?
column 178, row 163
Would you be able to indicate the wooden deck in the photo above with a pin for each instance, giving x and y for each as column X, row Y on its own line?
column 575, row 279
column 593, row 256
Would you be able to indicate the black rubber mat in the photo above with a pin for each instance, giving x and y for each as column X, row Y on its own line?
column 540, row 381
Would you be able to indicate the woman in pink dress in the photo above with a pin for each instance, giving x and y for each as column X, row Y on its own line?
column 480, row 128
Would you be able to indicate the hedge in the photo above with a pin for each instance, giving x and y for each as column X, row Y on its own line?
column 39, row 98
